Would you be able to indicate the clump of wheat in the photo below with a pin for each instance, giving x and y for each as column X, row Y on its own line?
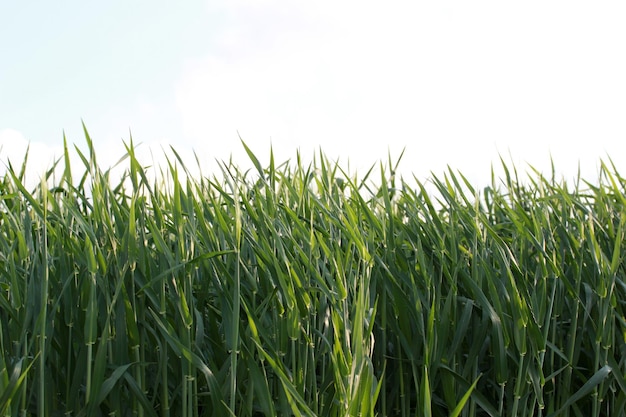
column 298, row 290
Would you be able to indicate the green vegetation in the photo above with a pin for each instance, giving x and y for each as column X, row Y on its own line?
column 298, row 290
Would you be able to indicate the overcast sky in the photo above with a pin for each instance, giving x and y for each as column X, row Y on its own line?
column 453, row 82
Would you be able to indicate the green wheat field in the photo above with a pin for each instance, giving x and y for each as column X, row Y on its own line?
column 298, row 290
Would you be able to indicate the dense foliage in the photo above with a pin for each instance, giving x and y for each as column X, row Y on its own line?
column 298, row 290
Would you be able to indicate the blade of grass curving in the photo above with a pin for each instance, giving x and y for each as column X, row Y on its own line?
column 589, row 386
column 110, row 382
column 17, row 378
column 254, row 159
column 459, row 407
column 140, row 394
column 168, row 332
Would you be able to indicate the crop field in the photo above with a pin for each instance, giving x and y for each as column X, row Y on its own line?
column 298, row 290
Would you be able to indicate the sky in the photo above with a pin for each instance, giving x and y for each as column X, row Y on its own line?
column 452, row 83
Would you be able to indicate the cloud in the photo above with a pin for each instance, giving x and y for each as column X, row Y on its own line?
column 297, row 79
column 455, row 83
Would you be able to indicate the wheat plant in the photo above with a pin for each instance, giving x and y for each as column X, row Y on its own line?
column 301, row 290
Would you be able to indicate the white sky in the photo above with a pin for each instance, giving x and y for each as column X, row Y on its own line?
column 454, row 82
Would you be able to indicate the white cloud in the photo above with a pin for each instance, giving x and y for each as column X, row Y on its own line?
column 304, row 86
column 455, row 83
